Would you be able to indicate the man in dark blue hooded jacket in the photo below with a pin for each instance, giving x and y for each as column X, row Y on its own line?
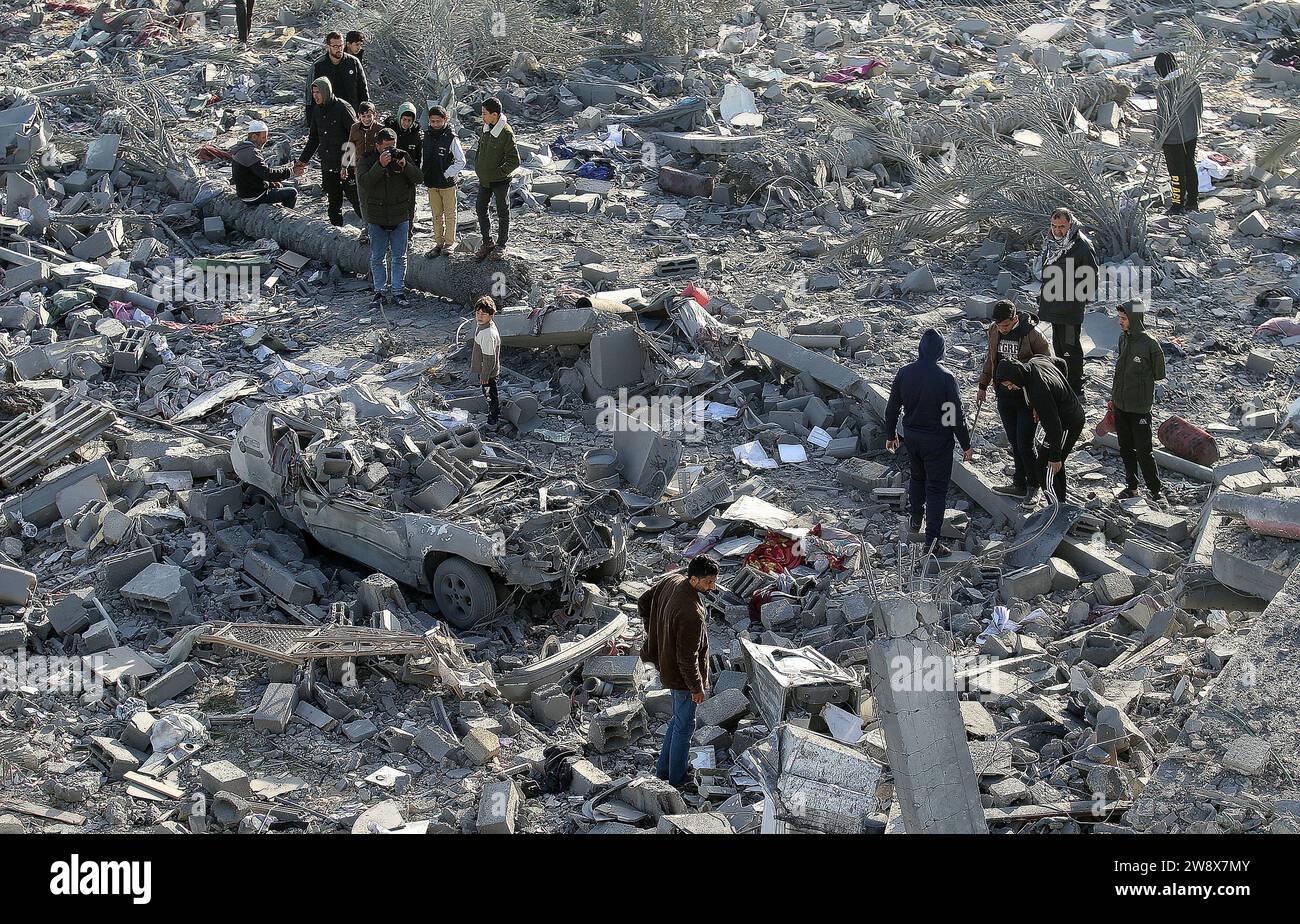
column 926, row 394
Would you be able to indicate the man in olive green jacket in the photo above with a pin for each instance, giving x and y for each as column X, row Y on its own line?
column 496, row 158
column 1139, row 365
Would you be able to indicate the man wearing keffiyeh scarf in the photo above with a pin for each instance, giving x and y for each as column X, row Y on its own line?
column 1068, row 269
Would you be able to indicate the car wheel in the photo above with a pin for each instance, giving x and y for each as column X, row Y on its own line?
column 464, row 592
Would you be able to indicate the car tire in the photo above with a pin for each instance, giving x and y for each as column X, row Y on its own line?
column 464, row 592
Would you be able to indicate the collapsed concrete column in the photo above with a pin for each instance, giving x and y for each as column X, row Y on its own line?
column 459, row 279
column 912, row 680
column 1266, row 514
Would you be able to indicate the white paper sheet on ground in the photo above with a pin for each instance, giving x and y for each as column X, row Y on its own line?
column 450, row 418
column 760, row 513
column 712, row 410
column 844, row 725
column 792, row 452
column 704, row 757
column 819, row 438
column 737, row 107
column 753, row 455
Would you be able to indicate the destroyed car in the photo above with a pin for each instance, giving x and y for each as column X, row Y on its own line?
column 417, row 495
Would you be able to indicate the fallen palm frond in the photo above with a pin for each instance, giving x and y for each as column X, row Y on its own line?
column 982, row 181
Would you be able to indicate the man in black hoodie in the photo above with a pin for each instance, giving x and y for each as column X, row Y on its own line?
column 1068, row 269
column 1042, row 381
column 926, row 394
column 331, row 123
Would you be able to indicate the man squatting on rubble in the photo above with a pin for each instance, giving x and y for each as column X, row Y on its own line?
column 1041, row 379
column 495, row 160
column 388, row 182
column 255, row 182
column 361, row 141
column 1014, row 335
column 1178, row 123
column 677, row 644
column 485, row 360
column 330, row 125
column 1067, row 267
column 444, row 159
column 1138, row 366
column 926, row 393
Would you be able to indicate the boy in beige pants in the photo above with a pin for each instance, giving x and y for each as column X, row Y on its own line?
column 443, row 159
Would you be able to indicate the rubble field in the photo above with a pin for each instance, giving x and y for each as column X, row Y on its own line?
column 264, row 567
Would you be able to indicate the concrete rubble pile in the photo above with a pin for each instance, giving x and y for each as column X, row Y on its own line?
column 295, row 572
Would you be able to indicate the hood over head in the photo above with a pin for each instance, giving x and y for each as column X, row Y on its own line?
column 1011, row 370
column 326, row 89
column 931, row 349
column 1136, row 317
column 406, row 109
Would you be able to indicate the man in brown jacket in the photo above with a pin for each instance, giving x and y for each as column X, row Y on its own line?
column 677, row 644
column 1014, row 335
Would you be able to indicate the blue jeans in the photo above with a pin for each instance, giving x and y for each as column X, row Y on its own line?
column 675, row 753
column 381, row 240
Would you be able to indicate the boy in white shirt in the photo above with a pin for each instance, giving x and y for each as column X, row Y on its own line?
column 485, row 361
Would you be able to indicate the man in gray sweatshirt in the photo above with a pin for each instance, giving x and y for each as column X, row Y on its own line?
column 1178, row 123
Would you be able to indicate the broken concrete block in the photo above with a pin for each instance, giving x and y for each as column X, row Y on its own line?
column 617, row 726
column 435, row 742
column 1254, row 224
column 1113, row 588
column 587, row 778
column 360, row 730
column 170, row 685
column 1248, row 754
column 653, row 796
column 723, row 708
column 481, row 745
column 550, row 705
column 276, row 710
column 161, row 588
column 498, row 805
column 276, row 578
column 16, row 584
column 223, row 776
column 1026, row 583
column 101, row 155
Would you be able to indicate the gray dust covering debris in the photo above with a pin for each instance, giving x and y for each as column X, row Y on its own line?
column 265, row 538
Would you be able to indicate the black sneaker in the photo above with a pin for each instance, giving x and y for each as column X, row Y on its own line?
column 401, row 301
column 1128, row 493
column 938, row 549
column 1011, row 490
column 1031, row 495
column 378, row 299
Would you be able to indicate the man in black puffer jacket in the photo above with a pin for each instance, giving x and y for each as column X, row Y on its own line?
column 331, row 124
column 1068, row 269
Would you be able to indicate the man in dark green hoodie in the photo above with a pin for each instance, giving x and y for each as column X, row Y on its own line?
column 1140, row 364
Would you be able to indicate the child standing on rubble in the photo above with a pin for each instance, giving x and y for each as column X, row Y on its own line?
column 485, row 361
